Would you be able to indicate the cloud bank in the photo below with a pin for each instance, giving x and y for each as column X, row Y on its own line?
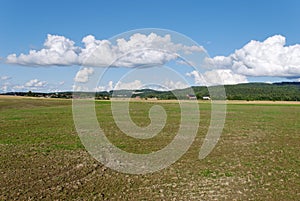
column 138, row 50
column 217, row 77
column 33, row 84
column 30, row 85
column 268, row 58
column 138, row 84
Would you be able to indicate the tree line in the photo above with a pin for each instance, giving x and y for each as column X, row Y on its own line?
column 283, row 91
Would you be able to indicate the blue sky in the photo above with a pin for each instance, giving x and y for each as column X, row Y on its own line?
column 221, row 27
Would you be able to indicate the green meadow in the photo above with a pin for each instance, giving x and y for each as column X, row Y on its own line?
column 42, row 157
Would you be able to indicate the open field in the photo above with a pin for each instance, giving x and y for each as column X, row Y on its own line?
column 256, row 158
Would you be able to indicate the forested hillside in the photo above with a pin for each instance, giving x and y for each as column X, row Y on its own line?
column 284, row 91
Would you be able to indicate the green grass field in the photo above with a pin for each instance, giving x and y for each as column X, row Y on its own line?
column 256, row 158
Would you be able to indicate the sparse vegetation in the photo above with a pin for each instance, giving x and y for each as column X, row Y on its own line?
column 256, row 158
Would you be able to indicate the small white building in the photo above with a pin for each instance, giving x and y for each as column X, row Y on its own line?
column 191, row 97
column 206, row 98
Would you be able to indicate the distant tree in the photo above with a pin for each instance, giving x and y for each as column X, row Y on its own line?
column 29, row 93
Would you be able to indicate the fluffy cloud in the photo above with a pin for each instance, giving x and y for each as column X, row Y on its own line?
column 136, row 84
column 32, row 85
column 108, row 87
column 138, row 50
column 83, row 75
column 268, row 58
column 4, row 88
column 35, row 83
column 170, row 85
column 58, row 50
column 216, row 77
column 3, row 78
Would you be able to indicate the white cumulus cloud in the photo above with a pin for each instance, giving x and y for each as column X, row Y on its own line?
column 217, row 77
column 136, row 84
column 108, row 87
column 267, row 58
column 58, row 50
column 31, row 85
column 4, row 88
column 4, row 78
column 83, row 75
column 138, row 50
column 171, row 85
column 35, row 83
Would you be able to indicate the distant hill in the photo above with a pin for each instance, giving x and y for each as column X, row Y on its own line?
column 283, row 91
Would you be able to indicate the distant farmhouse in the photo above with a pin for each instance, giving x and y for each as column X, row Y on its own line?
column 191, row 97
